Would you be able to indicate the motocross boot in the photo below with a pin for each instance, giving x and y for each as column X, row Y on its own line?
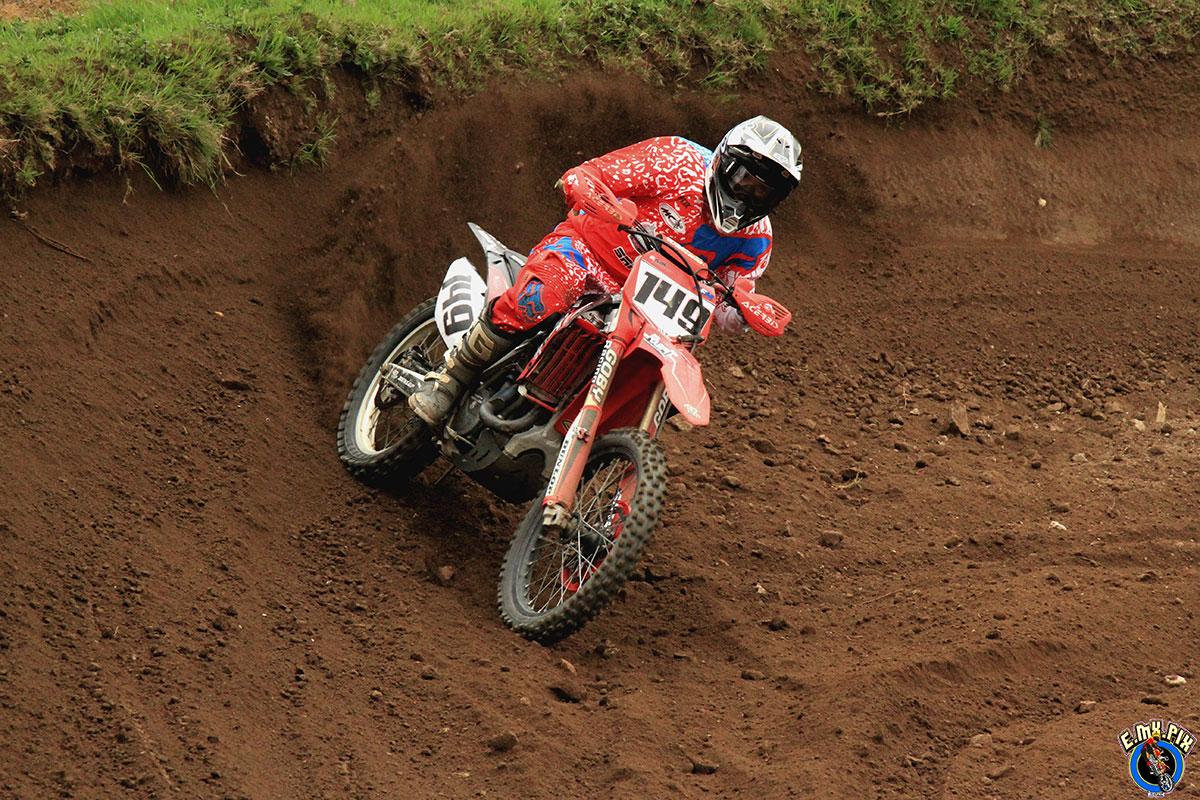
column 480, row 347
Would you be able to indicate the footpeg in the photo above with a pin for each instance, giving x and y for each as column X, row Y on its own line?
column 405, row 381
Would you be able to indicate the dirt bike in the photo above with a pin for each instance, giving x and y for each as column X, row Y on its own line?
column 568, row 418
column 1158, row 766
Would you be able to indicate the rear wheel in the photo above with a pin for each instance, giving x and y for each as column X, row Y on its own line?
column 551, row 585
column 378, row 435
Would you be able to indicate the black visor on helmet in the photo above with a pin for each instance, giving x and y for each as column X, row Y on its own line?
column 760, row 183
column 748, row 187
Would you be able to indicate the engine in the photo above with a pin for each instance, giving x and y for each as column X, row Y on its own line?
column 503, row 435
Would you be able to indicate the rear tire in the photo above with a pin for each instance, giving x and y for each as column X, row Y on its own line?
column 390, row 443
column 551, row 587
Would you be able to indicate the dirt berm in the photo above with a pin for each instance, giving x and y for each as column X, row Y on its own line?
column 848, row 597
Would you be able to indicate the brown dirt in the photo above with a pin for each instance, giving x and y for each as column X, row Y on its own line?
column 34, row 9
column 196, row 601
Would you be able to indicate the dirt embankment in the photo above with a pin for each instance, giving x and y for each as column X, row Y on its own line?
column 196, row 601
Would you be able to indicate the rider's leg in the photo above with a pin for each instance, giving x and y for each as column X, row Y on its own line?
column 564, row 268
column 481, row 345
column 549, row 283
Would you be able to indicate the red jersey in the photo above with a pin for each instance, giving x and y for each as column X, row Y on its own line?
column 664, row 177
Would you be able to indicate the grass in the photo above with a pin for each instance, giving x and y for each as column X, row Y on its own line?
column 157, row 84
column 315, row 151
column 1043, row 134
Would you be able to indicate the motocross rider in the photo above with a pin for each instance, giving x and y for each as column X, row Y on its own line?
column 1154, row 756
column 714, row 203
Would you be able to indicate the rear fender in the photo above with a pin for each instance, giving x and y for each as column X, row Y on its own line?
column 680, row 372
column 503, row 264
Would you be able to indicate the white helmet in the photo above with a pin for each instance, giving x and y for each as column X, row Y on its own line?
column 753, row 169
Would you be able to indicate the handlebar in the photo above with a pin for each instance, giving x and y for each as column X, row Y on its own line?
column 761, row 313
column 764, row 315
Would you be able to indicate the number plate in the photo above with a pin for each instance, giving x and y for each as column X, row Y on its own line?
column 671, row 305
column 460, row 301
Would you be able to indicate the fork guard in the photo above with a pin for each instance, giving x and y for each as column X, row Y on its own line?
column 680, row 372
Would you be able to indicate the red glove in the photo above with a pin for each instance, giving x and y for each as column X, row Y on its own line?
column 584, row 184
column 578, row 182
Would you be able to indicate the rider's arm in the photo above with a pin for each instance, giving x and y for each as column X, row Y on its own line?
column 750, row 261
column 645, row 169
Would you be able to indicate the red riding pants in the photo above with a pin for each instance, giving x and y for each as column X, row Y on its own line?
column 560, row 270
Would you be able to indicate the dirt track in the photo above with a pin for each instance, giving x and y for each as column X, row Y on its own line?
column 196, row 601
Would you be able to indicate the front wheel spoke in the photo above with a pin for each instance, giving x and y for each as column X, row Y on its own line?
column 548, row 577
column 543, row 584
column 390, row 428
column 555, row 576
column 584, row 561
column 562, row 585
column 609, row 541
column 589, row 504
column 381, row 432
column 604, row 502
column 585, row 566
column 593, row 490
column 609, row 475
column 426, row 345
column 552, row 578
column 545, row 599
column 594, row 495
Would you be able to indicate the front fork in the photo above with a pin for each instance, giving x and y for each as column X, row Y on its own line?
column 577, row 444
column 656, row 410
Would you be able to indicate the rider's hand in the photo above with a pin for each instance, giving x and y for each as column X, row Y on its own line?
column 570, row 185
column 730, row 319
column 577, row 182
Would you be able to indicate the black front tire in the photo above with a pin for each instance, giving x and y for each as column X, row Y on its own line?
column 391, row 443
column 523, row 601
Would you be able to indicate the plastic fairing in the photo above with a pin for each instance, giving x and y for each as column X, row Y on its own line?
column 682, row 375
column 503, row 264
column 459, row 302
column 763, row 314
